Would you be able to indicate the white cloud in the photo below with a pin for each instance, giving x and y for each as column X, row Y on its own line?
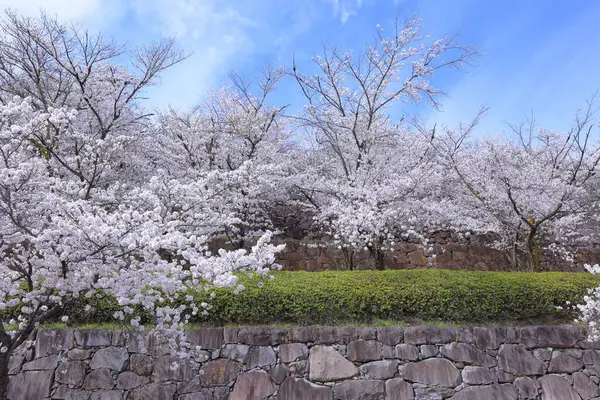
column 94, row 13
column 344, row 9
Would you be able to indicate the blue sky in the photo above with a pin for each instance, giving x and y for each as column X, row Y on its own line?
column 539, row 56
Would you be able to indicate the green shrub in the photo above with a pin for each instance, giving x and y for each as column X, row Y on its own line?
column 407, row 295
column 337, row 297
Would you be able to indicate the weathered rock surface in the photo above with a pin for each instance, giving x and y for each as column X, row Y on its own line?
column 253, row 385
column 583, row 385
column 407, row 352
column 153, row 391
column 71, row 373
column 467, row 353
column 383, row 369
column 173, row 368
column 30, row 385
column 429, row 335
column 555, row 387
column 552, row 336
column 298, row 388
column 219, row 372
column 398, row 389
column 360, row 390
column 478, row 376
column 261, row 356
column 141, row 364
column 364, row 350
column 518, row 361
column 114, row 358
column 40, row 364
column 327, row 365
column 92, row 337
column 130, row 380
column 563, row 362
column 293, row 352
column 433, row 371
column 494, row 392
column 100, row 378
column 53, row 341
column 526, row 387
column 236, row 352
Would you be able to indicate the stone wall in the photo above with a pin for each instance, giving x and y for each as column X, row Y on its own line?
column 474, row 254
column 392, row 363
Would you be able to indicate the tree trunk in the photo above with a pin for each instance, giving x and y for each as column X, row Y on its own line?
column 379, row 260
column 535, row 252
column 378, row 255
column 4, row 378
column 348, row 258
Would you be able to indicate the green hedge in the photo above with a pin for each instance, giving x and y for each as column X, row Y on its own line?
column 406, row 295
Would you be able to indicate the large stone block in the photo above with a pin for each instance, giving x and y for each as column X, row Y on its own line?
column 526, row 387
column 359, row 390
column 71, row 373
column 293, row 352
column 478, row 376
column 493, row 337
column 30, row 385
column 563, row 362
column 141, row 364
column 261, row 336
column 153, row 391
column 206, row 338
column 173, row 368
column 383, row 369
column 467, row 353
column 429, row 335
column 261, row 356
column 364, row 350
column 327, row 365
column 516, row 360
column 583, row 385
column 99, row 379
column 253, row 385
column 236, row 352
column 564, row 336
column 494, row 392
column 40, row 364
column 112, row 357
column 407, row 352
column 129, row 380
column 298, row 388
column 53, row 341
column 398, row 389
column 390, row 335
column 304, row 334
column 331, row 335
column 433, row 371
column 219, row 372
column 92, row 337
column 555, row 387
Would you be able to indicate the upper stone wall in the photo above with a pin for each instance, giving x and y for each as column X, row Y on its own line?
column 458, row 363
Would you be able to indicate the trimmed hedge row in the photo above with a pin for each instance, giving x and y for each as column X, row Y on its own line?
column 402, row 295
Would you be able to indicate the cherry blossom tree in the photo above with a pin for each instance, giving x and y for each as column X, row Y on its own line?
column 234, row 133
column 82, row 210
column 530, row 188
column 368, row 174
column 59, row 65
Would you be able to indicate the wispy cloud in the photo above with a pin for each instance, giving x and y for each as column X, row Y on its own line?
column 344, row 9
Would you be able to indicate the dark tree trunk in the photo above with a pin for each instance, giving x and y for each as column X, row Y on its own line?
column 4, row 378
column 379, row 260
column 535, row 251
column 378, row 255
